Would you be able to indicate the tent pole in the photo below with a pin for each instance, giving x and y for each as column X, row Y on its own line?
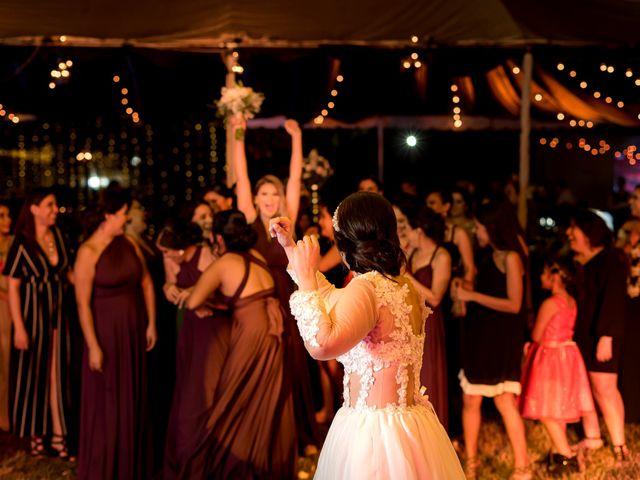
column 525, row 130
column 230, row 82
column 380, row 150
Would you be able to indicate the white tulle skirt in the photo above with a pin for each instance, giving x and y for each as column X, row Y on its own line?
column 386, row 444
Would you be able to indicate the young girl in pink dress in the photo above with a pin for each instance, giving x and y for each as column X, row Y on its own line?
column 555, row 385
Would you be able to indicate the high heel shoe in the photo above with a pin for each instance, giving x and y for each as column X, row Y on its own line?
column 59, row 446
column 37, row 446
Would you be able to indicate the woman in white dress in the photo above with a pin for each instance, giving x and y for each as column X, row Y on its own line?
column 386, row 427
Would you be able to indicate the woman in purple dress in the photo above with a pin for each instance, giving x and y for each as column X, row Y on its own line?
column 268, row 202
column 251, row 429
column 429, row 269
column 116, row 308
column 201, row 351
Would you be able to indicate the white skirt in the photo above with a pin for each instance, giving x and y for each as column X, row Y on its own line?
column 386, row 444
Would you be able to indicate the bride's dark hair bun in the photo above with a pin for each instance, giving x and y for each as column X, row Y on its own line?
column 367, row 234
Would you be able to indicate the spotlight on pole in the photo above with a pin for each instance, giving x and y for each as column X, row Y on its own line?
column 412, row 141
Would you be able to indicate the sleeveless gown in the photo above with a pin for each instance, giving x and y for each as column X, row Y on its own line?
column 554, row 379
column 296, row 358
column 114, row 427
column 433, row 374
column 386, row 427
column 251, row 428
column 202, row 348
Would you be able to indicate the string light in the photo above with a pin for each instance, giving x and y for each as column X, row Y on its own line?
column 319, row 119
column 124, row 101
column 413, row 60
column 560, row 116
column 457, row 111
column 60, row 74
column 597, row 94
column 516, row 70
column 12, row 117
column 601, row 148
column 561, row 66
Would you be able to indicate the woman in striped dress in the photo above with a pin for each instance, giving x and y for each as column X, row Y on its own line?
column 37, row 265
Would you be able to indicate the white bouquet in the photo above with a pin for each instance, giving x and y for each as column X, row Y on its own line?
column 316, row 169
column 239, row 99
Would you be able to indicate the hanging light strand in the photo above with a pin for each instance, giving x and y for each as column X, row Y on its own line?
column 331, row 104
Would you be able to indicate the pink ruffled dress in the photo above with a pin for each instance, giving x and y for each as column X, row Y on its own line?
column 554, row 380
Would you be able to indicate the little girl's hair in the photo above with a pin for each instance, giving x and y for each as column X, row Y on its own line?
column 567, row 273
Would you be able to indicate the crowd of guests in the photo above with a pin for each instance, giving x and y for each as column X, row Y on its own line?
column 178, row 355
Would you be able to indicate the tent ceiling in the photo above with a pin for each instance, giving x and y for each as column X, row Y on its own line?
column 211, row 24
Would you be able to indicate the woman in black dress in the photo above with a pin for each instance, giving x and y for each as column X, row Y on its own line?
column 37, row 267
column 494, row 335
column 600, row 324
column 116, row 308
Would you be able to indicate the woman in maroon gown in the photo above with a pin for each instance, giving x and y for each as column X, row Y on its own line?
column 201, row 351
column 116, row 307
column 429, row 269
column 251, row 429
column 271, row 201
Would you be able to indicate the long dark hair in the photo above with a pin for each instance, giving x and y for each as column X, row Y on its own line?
column 503, row 228
column 111, row 200
column 367, row 234
column 237, row 234
column 26, row 224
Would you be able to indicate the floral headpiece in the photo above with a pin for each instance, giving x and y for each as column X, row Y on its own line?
column 336, row 227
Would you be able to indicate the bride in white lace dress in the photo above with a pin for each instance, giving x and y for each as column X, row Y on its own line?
column 386, row 427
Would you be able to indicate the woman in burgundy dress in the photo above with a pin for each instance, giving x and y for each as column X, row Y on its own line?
column 270, row 201
column 251, row 429
column 429, row 269
column 201, row 351
column 116, row 307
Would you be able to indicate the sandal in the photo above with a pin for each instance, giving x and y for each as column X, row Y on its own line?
column 589, row 443
column 59, row 446
column 621, row 454
column 522, row 473
column 37, row 446
column 471, row 468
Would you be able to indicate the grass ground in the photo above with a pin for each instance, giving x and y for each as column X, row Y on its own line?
column 495, row 456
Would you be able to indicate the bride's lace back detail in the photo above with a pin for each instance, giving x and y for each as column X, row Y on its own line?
column 388, row 360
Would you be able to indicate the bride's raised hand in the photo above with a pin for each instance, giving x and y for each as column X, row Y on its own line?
column 305, row 259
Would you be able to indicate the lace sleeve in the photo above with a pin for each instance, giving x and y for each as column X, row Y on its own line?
column 308, row 309
column 325, row 288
